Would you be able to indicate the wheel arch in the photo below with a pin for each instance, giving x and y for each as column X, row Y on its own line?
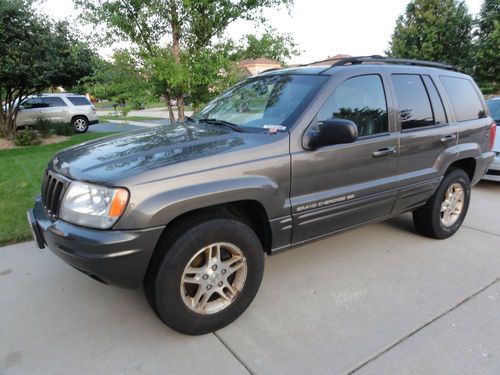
column 76, row 116
column 250, row 212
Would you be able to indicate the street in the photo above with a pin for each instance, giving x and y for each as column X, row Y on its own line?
column 376, row 300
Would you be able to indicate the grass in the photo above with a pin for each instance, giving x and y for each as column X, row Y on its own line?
column 21, row 171
column 130, row 118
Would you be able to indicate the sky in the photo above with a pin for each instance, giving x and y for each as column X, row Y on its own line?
column 321, row 28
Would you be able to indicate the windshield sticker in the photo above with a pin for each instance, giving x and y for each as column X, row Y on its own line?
column 275, row 128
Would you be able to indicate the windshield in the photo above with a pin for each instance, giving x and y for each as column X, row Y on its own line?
column 494, row 107
column 263, row 102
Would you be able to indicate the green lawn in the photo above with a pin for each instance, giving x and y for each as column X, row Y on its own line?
column 21, row 172
column 129, row 118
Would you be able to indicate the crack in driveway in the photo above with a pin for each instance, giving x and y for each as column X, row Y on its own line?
column 399, row 341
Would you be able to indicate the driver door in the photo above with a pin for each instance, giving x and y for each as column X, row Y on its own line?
column 343, row 185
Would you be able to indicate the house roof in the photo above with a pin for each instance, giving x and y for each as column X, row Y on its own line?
column 259, row 61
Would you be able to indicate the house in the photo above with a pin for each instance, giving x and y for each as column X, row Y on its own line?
column 252, row 67
column 329, row 60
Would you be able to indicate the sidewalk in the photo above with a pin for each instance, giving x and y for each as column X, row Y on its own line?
column 377, row 300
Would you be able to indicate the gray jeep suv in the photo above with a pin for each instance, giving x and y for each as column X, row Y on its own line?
column 188, row 211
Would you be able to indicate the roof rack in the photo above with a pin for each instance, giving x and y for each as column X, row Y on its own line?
column 390, row 60
column 270, row 70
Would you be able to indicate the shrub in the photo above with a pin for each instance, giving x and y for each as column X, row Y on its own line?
column 63, row 129
column 44, row 127
column 27, row 137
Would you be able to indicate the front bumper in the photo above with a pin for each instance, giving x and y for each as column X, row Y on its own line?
column 114, row 257
column 493, row 172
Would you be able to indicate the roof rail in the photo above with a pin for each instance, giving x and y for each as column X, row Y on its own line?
column 270, row 70
column 390, row 60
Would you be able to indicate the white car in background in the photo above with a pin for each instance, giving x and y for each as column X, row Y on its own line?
column 493, row 173
column 58, row 108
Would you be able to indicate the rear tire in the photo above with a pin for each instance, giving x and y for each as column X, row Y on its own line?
column 80, row 124
column 185, row 286
column 445, row 211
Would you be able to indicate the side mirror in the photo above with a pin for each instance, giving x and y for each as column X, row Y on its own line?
column 332, row 131
column 22, row 107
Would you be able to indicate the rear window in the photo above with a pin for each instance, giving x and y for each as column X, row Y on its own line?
column 464, row 98
column 79, row 100
column 414, row 107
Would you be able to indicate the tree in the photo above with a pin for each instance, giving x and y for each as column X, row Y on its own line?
column 436, row 30
column 34, row 55
column 270, row 44
column 122, row 80
column 487, row 70
column 171, row 34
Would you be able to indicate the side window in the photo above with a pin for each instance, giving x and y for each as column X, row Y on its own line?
column 32, row 103
column 53, row 102
column 437, row 103
column 414, row 106
column 359, row 99
column 464, row 98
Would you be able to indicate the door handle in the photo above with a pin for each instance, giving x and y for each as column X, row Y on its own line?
column 449, row 137
column 384, row 152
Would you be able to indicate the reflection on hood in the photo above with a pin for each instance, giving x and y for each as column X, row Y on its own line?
column 127, row 154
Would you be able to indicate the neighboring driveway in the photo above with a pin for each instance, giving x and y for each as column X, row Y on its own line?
column 125, row 126
column 377, row 300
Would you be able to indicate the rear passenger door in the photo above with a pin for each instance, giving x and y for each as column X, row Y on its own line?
column 425, row 136
column 54, row 109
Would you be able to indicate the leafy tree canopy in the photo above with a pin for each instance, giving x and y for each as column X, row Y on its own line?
column 487, row 47
column 436, row 30
column 182, row 42
column 35, row 55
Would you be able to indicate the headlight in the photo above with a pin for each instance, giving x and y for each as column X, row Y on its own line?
column 93, row 206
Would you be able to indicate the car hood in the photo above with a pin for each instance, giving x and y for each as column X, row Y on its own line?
column 110, row 159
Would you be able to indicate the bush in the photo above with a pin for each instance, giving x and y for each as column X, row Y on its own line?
column 46, row 128
column 43, row 126
column 27, row 137
column 63, row 129
column 486, row 90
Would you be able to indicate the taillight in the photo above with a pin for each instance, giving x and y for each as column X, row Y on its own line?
column 93, row 108
column 493, row 131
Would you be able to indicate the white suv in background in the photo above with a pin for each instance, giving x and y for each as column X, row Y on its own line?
column 64, row 108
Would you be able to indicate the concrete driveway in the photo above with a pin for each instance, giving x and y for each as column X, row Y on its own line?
column 377, row 300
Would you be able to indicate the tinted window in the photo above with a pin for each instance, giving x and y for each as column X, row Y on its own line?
column 79, row 100
column 437, row 103
column 414, row 106
column 359, row 99
column 52, row 101
column 463, row 97
column 494, row 107
column 33, row 103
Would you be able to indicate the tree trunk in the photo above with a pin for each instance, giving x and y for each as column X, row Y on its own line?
column 170, row 110
column 176, row 51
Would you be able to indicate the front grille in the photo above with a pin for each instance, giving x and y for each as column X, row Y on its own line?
column 53, row 188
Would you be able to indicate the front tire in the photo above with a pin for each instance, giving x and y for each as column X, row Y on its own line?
column 207, row 277
column 80, row 124
column 443, row 214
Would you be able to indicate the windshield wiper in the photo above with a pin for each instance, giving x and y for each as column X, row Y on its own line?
column 214, row 121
